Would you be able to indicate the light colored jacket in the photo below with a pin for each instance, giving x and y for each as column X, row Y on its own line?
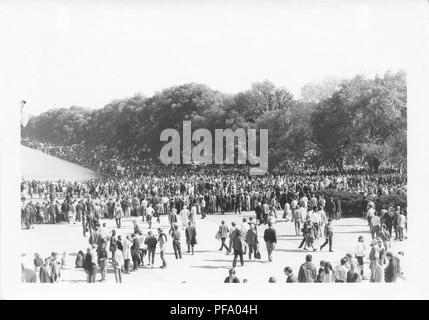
column 126, row 249
column 118, row 258
column 223, row 230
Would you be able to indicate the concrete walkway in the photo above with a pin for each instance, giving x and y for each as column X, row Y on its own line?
column 208, row 265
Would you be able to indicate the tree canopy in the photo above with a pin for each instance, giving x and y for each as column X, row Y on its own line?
column 335, row 122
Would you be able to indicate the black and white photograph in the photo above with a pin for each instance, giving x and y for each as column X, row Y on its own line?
column 167, row 149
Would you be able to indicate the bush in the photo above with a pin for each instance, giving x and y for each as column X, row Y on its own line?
column 354, row 204
column 394, row 200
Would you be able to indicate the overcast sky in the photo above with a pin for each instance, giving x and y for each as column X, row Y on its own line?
column 67, row 53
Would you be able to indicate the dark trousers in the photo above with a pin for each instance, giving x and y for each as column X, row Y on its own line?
column 328, row 240
column 84, row 228
column 118, row 222
column 397, row 232
column 252, row 248
column 177, row 249
column 151, row 255
column 303, row 241
column 190, row 247
column 389, row 228
column 223, row 245
column 136, row 261
column 127, row 265
column 237, row 253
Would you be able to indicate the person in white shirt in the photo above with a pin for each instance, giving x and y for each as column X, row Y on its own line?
column 303, row 213
column 287, row 212
column 165, row 203
column 144, row 204
column 323, row 220
column 184, row 213
column 243, row 229
column 370, row 212
column 149, row 214
column 360, row 254
column 375, row 226
column 316, row 219
column 193, row 213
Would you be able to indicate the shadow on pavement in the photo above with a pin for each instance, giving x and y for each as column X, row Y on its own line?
column 211, row 267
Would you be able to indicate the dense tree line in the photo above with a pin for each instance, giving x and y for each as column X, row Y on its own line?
column 358, row 120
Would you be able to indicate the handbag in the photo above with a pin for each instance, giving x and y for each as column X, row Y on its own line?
column 217, row 235
column 258, row 254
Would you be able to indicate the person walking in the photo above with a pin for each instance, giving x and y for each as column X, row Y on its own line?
column 338, row 211
column 126, row 252
column 151, row 242
column 88, row 266
column 223, row 233
column 360, row 254
column 238, row 246
column 118, row 215
column 306, row 230
column 135, row 251
column 252, row 241
column 102, row 260
column 176, row 242
column 329, row 234
column 184, row 213
column 191, row 237
column 231, row 231
column 375, row 226
column 270, row 239
column 244, row 228
column 117, row 262
column 162, row 239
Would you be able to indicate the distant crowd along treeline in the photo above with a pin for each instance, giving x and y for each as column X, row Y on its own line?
column 334, row 122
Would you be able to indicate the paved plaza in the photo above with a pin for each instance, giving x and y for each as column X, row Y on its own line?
column 207, row 265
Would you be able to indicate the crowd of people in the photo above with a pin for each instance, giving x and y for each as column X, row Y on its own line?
column 107, row 247
column 146, row 191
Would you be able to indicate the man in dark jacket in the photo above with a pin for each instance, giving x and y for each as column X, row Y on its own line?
column 238, row 246
column 307, row 271
column 252, row 240
column 258, row 211
column 191, row 237
column 45, row 273
column 80, row 210
column 331, row 208
column 135, row 251
column 270, row 239
column 338, row 211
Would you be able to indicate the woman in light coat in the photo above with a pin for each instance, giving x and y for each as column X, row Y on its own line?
column 118, row 263
column 126, row 252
